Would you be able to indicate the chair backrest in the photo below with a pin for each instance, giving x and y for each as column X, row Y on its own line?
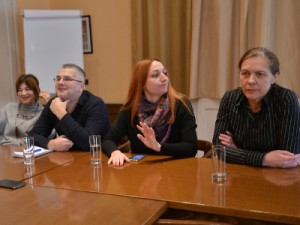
column 188, row 222
column 125, row 147
column 205, row 146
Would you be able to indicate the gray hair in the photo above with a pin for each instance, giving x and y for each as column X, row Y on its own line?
column 79, row 70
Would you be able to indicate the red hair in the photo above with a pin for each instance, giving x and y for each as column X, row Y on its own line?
column 137, row 83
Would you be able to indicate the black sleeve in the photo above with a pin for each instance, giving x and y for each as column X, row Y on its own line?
column 118, row 130
column 96, row 122
column 240, row 156
column 43, row 127
column 185, row 124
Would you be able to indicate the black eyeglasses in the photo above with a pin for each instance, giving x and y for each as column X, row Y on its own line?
column 65, row 79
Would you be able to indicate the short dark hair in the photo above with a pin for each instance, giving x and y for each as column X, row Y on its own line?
column 260, row 51
column 31, row 81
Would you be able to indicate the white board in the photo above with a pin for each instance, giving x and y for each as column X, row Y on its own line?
column 51, row 38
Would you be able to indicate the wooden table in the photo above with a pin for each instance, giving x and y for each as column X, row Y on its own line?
column 41, row 205
column 13, row 168
column 263, row 194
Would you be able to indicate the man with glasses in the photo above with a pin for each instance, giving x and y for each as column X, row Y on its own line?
column 74, row 113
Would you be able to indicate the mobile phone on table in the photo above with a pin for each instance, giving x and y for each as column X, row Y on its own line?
column 11, row 184
column 137, row 158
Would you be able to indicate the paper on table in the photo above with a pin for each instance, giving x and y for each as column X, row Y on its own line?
column 38, row 151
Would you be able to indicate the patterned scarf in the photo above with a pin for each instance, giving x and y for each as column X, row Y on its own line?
column 156, row 115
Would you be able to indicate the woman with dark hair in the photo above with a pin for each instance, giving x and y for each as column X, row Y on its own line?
column 155, row 118
column 17, row 118
column 259, row 122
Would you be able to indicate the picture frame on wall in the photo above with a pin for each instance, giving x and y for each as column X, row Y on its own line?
column 87, row 35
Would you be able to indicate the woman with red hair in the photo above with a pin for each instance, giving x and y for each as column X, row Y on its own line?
column 155, row 118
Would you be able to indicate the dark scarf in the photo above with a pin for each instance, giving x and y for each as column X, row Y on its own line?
column 157, row 116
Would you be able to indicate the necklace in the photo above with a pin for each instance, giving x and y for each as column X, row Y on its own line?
column 25, row 113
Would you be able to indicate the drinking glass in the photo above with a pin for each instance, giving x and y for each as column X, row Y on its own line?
column 95, row 149
column 28, row 150
column 218, row 163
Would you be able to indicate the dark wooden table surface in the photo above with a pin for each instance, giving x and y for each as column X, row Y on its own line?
column 265, row 194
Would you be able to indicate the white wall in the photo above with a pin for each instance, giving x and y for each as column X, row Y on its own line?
column 52, row 38
column 206, row 113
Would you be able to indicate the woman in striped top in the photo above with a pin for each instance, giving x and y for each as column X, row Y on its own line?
column 259, row 122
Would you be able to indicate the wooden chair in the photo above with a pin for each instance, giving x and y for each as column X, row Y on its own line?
column 181, row 217
column 187, row 222
column 205, row 146
column 125, row 146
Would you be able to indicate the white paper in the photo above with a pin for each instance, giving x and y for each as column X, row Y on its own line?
column 38, row 151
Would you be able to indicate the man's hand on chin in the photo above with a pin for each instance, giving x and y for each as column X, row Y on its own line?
column 59, row 107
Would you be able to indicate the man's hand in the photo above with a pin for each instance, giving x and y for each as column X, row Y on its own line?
column 59, row 107
column 60, row 144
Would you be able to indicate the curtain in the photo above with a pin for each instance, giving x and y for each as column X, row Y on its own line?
column 223, row 30
column 9, row 54
column 162, row 29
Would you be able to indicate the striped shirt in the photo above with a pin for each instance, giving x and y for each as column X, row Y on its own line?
column 275, row 127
